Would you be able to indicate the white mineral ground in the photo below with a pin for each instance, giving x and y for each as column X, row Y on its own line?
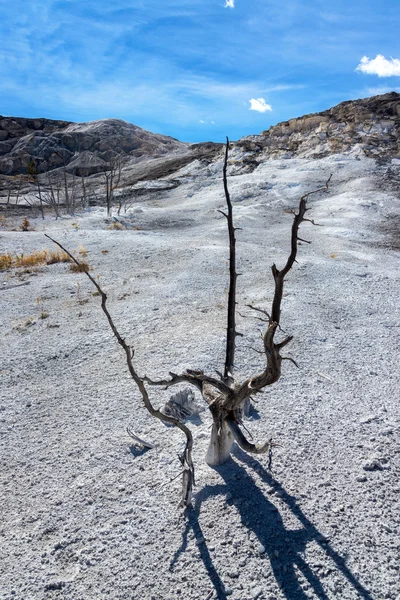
column 87, row 515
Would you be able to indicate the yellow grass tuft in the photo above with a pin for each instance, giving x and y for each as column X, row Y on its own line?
column 116, row 225
column 56, row 257
column 5, row 261
column 37, row 257
column 25, row 225
column 83, row 267
column 34, row 259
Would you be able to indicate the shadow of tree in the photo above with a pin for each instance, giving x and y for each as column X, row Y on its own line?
column 138, row 450
column 283, row 547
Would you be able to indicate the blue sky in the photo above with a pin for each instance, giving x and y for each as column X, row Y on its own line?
column 196, row 70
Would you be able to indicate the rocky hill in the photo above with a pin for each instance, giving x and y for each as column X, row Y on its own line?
column 369, row 126
column 84, row 148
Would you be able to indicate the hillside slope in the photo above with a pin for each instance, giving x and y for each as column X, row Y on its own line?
column 84, row 148
column 369, row 126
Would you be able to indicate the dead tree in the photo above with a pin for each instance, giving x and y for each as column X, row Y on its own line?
column 111, row 179
column 224, row 395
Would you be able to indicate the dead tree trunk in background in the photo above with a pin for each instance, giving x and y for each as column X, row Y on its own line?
column 40, row 196
column 112, row 178
column 66, row 191
column 85, row 203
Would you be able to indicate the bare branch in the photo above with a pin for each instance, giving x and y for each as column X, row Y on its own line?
column 313, row 222
column 253, row 317
column 285, row 342
column 231, row 322
column 261, row 310
column 272, row 372
column 291, row 360
column 254, row 349
column 243, row 442
column 138, row 439
column 186, row 457
column 197, row 379
column 280, row 275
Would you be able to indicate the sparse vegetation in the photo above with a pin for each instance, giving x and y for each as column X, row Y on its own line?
column 82, row 267
column 116, row 225
column 25, row 225
column 57, row 257
column 35, row 259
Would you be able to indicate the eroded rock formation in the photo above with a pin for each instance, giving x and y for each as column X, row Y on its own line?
column 83, row 148
column 370, row 126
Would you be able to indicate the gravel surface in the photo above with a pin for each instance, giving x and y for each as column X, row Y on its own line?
column 89, row 515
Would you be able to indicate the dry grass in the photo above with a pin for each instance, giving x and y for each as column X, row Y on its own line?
column 25, row 225
column 56, row 257
column 6, row 261
column 83, row 267
column 116, row 225
column 37, row 258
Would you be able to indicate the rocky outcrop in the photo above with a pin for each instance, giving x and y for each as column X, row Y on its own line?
column 82, row 148
column 370, row 126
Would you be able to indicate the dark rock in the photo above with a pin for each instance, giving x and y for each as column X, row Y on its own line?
column 83, row 148
column 369, row 126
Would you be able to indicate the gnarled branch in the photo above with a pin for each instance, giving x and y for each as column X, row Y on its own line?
column 186, row 457
column 272, row 372
column 195, row 378
column 244, row 443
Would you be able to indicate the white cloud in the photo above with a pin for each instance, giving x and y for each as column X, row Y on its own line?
column 380, row 66
column 259, row 105
column 229, row 4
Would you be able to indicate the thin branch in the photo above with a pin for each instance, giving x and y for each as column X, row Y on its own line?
column 198, row 380
column 186, row 457
column 280, row 275
column 272, row 371
column 291, row 360
column 313, row 222
column 243, row 442
column 285, row 342
column 231, row 321
column 261, row 310
column 253, row 317
column 255, row 349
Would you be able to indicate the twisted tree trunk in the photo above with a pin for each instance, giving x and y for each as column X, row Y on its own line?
column 225, row 396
